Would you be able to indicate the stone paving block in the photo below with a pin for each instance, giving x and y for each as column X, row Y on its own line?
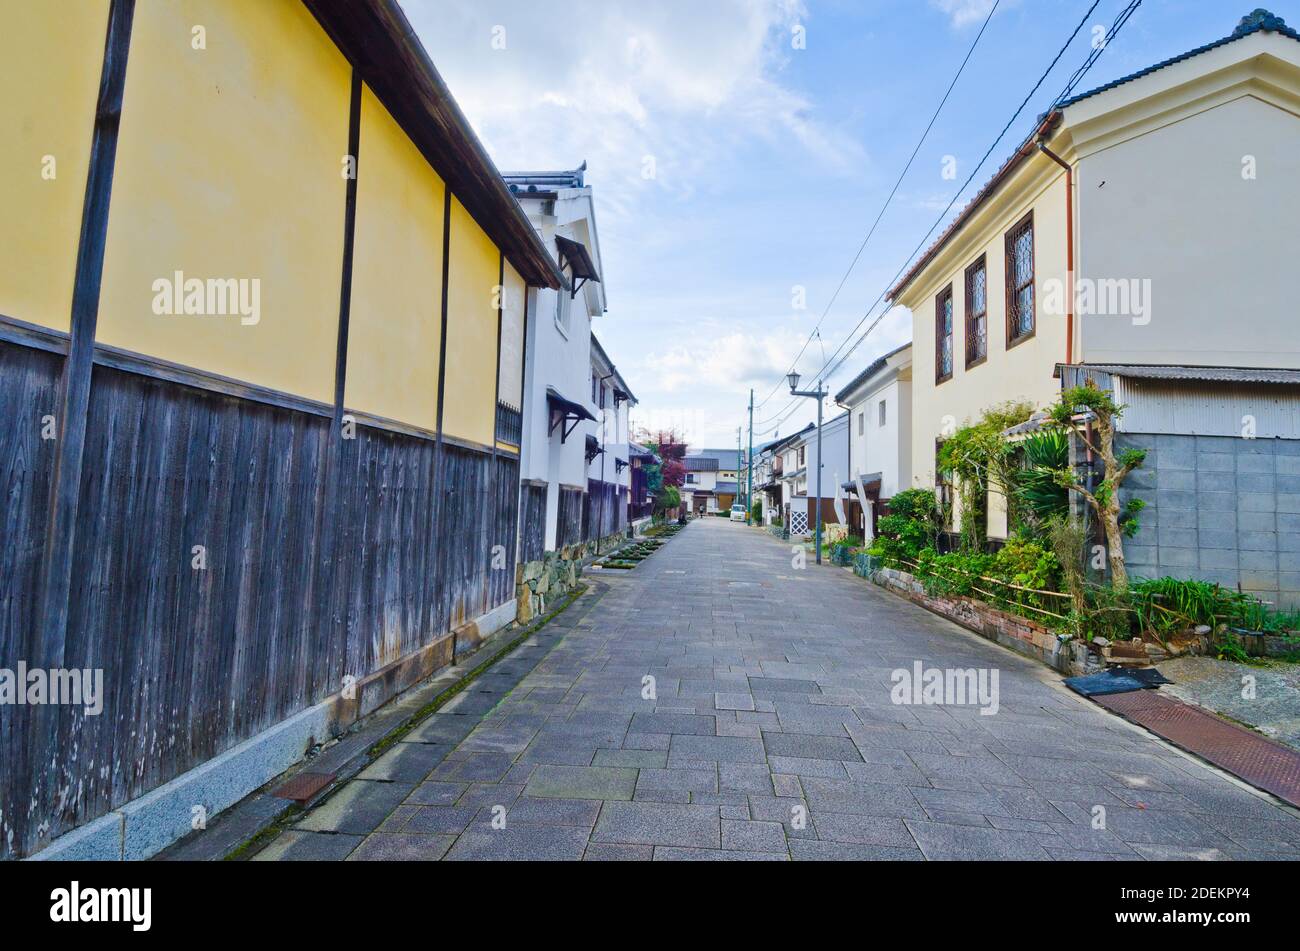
column 296, row 846
column 988, row 769
column 475, row 767
column 819, row 768
column 389, row 847
column 674, row 723
column 559, row 753
column 357, row 808
column 833, row 796
column 733, row 701
column 440, row 820
column 900, row 774
column 952, row 800
column 670, row 854
column 731, row 728
column 816, row 850
column 787, row 786
column 939, row 841
column 435, row 793
column 680, row 780
column 479, row 795
column 580, row 813
column 863, row 830
column 582, row 782
column 653, row 823
column 520, row 843
column 406, row 762
column 615, row 852
column 717, row 749
column 638, row 759
column 440, row 729
column 810, row 747
column 753, row 836
column 744, row 777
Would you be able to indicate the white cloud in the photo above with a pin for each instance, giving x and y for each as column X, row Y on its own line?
column 965, row 12
column 678, row 80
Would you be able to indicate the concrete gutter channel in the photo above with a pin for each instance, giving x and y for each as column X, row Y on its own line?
column 245, row 828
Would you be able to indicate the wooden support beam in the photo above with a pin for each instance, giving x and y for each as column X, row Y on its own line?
column 61, row 531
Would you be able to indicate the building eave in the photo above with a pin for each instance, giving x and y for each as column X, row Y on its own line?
column 382, row 47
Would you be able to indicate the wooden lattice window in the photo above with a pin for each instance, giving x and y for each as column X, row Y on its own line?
column 1020, row 281
column 943, row 336
column 977, row 313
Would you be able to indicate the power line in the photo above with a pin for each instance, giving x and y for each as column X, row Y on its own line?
column 906, row 168
column 1120, row 21
column 824, row 373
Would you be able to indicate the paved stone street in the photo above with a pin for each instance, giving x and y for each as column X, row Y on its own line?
column 772, row 735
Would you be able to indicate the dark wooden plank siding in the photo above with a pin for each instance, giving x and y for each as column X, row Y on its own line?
column 197, row 660
column 532, row 520
column 572, row 517
column 29, row 391
column 600, row 514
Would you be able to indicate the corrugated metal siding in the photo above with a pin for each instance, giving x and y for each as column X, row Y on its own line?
column 1208, row 409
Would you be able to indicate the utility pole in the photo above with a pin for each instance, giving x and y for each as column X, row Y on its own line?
column 819, row 394
column 749, row 467
column 739, row 453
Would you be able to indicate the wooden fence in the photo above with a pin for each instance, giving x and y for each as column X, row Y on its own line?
column 233, row 561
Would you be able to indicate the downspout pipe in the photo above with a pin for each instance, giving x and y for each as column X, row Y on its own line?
column 1069, row 248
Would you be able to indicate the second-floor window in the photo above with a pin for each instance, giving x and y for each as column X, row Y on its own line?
column 1020, row 280
column 862, row 423
column 563, row 303
column 943, row 336
column 977, row 312
column 881, row 410
column 801, row 455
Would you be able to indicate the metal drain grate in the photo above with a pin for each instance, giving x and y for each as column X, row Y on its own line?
column 303, row 787
column 1259, row 761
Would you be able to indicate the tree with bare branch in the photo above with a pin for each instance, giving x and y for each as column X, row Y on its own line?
column 1090, row 413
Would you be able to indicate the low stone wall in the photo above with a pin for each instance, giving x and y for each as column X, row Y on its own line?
column 1010, row 630
column 555, row 574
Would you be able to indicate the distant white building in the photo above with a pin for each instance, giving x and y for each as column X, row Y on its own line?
column 609, row 474
column 879, row 404
column 711, row 480
column 799, row 466
column 562, row 416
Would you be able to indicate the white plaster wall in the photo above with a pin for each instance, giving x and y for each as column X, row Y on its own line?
column 1171, row 206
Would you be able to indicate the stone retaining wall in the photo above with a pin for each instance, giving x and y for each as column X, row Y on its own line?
column 555, row 574
column 1011, row 631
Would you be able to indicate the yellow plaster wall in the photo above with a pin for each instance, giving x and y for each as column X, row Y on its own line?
column 469, row 410
column 53, row 54
column 512, row 337
column 1021, row 372
column 396, row 316
column 229, row 165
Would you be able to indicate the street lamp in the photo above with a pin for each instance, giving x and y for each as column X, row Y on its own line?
column 819, row 395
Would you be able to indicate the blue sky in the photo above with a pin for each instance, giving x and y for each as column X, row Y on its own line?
column 769, row 162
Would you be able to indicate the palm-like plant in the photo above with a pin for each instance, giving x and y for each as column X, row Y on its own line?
column 1038, row 489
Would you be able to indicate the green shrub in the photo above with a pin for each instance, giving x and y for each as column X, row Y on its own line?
column 911, row 526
